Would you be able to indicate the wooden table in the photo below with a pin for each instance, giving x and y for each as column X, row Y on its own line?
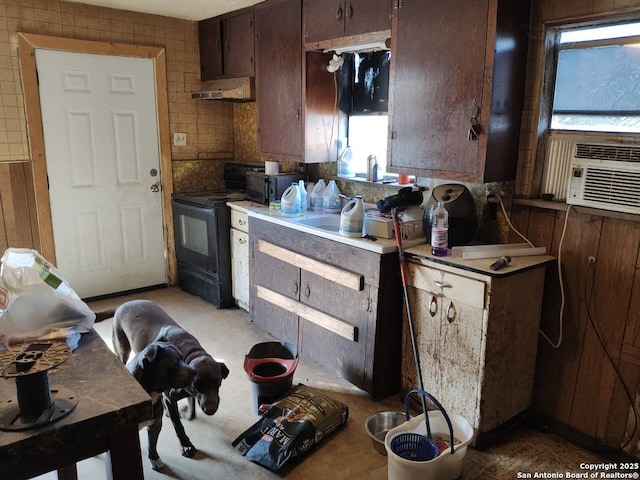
column 111, row 404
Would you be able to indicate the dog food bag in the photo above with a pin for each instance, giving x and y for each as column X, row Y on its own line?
column 291, row 427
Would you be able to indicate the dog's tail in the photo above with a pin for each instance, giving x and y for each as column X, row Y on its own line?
column 105, row 314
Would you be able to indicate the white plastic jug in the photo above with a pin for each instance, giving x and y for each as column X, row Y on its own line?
column 316, row 196
column 303, row 196
column 345, row 163
column 331, row 202
column 290, row 201
column 310, row 186
column 352, row 218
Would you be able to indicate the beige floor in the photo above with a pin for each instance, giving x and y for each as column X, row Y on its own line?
column 348, row 454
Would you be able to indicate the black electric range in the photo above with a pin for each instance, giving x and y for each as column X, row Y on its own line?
column 202, row 226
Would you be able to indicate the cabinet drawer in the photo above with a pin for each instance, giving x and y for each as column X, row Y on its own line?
column 239, row 221
column 455, row 287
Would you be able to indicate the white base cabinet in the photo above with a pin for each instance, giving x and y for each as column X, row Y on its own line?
column 477, row 335
column 240, row 257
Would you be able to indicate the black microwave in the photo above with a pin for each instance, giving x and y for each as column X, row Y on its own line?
column 265, row 188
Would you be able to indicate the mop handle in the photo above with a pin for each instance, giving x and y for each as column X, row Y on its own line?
column 403, row 274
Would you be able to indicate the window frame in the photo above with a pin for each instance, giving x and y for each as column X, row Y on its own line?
column 552, row 49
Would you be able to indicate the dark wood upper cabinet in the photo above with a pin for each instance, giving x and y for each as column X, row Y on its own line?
column 327, row 20
column 296, row 95
column 279, row 78
column 457, row 88
column 227, row 45
column 210, row 39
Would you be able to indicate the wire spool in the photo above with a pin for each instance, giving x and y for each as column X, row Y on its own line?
column 37, row 403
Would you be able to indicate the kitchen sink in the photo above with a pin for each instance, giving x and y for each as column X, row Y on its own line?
column 329, row 222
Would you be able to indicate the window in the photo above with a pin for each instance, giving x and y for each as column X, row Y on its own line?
column 597, row 79
column 364, row 93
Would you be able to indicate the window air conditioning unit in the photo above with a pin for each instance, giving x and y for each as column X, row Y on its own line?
column 594, row 170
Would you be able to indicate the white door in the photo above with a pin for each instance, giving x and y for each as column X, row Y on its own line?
column 101, row 145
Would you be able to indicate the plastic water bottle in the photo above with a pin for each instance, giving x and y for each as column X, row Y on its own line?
column 303, row 196
column 440, row 231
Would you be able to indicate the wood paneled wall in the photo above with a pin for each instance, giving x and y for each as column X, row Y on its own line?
column 576, row 384
column 17, row 225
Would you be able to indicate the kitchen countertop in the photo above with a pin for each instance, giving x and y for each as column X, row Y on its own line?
column 381, row 245
column 422, row 254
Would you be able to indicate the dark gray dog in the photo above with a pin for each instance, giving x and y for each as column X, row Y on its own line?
column 138, row 323
column 159, row 367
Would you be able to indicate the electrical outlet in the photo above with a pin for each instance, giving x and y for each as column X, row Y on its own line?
column 180, row 139
column 492, row 191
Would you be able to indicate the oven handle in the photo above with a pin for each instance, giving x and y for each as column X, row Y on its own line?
column 191, row 207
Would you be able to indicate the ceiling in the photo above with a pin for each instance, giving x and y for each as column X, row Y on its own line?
column 185, row 9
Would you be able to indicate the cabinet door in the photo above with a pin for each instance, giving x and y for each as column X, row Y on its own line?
column 324, row 19
column 437, row 86
column 210, row 39
column 450, row 347
column 345, row 356
column 270, row 273
column 364, row 16
column 239, row 44
column 240, row 267
column 279, row 77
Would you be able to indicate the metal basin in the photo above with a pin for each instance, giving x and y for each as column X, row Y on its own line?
column 378, row 424
column 329, row 222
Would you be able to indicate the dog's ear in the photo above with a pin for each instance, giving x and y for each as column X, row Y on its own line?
column 162, row 335
column 225, row 370
column 150, row 353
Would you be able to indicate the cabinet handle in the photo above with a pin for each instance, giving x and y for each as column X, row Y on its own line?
column 451, row 312
column 242, row 222
column 349, row 12
column 242, row 241
column 307, row 291
column 339, row 14
column 218, row 46
column 433, row 306
column 295, row 288
column 440, row 284
column 226, row 45
column 297, row 114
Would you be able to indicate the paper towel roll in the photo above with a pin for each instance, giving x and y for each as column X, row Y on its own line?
column 271, row 168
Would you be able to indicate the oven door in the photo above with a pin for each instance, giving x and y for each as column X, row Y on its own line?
column 197, row 233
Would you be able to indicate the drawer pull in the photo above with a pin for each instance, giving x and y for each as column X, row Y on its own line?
column 440, row 284
column 242, row 222
column 242, row 241
column 433, row 306
column 451, row 312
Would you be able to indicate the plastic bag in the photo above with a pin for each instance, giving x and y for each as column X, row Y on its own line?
column 35, row 299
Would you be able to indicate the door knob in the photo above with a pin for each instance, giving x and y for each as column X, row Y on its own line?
column 155, row 188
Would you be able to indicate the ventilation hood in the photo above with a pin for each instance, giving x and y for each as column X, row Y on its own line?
column 360, row 47
column 228, row 89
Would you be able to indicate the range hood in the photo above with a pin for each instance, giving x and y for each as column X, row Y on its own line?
column 228, row 89
column 361, row 47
